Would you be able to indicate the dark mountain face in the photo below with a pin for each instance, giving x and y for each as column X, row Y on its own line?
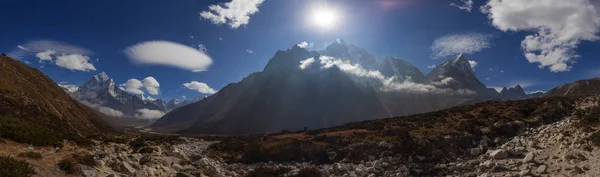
column 27, row 94
column 285, row 96
column 459, row 69
column 513, row 93
column 401, row 70
column 579, row 88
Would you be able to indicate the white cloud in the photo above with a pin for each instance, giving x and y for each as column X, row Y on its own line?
column 149, row 114
column 305, row 44
column 472, row 63
column 559, row 25
column 27, row 62
column 202, row 48
column 306, row 63
column 135, row 86
column 466, row 5
column 455, row 44
column 75, row 62
column 250, row 51
column 22, row 48
column 235, row 13
column 169, row 54
column 69, row 87
column 45, row 55
column 67, row 56
column 183, row 97
column 151, row 85
column 431, row 66
column 487, row 78
column 200, row 87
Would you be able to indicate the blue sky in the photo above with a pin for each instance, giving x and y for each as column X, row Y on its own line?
column 407, row 29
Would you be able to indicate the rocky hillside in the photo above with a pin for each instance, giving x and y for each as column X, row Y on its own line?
column 579, row 88
column 34, row 109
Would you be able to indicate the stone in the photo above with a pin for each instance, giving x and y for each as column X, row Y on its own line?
column 529, row 157
column 177, row 167
column 499, row 154
column 485, row 175
column 421, row 158
column 184, row 174
column 475, row 151
column 126, row 168
column 542, row 169
column 498, row 168
column 525, row 172
column 88, row 171
column 331, row 155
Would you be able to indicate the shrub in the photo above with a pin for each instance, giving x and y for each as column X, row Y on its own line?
column 69, row 166
column 10, row 167
column 146, row 150
column 309, row 172
column 267, row 172
column 23, row 131
column 375, row 126
column 595, row 138
column 31, row 155
column 85, row 159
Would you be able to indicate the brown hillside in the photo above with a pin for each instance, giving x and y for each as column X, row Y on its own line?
column 579, row 88
column 27, row 95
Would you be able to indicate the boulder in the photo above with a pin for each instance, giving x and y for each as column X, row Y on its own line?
column 126, row 168
column 475, row 151
column 499, row 154
column 542, row 169
column 529, row 157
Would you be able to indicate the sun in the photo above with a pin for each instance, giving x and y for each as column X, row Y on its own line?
column 325, row 18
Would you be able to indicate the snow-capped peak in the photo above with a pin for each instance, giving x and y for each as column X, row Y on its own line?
column 102, row 77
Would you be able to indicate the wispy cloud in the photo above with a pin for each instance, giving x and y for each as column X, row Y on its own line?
column 235, row 13
column 451, row 45
column 169, row 54
column 466, row 5
column 305, row 44
column 64, row 55
column 560, row 25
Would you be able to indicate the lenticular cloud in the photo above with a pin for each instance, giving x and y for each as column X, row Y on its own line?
column 169, row 54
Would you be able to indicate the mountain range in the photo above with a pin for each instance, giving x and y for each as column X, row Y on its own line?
column 101, row 92
column 315, row 89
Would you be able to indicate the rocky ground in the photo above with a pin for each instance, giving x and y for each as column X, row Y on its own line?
column 560, row 147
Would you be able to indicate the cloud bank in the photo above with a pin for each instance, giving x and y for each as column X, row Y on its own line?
column 451, row 45
column 149, row 114
column 235, row 13
column 559, row 25
column 169, row 54
column 200, row 87
column 387, row 84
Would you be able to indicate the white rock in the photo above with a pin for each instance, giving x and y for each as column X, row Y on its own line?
column 529, row 157
column 542, row 169
column 499, row 154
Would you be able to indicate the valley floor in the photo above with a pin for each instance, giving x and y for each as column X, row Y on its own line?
column 506, row 142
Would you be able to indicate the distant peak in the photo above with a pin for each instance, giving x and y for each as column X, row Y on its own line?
column 102, row 77
column 460, row 56
column 518, row 87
